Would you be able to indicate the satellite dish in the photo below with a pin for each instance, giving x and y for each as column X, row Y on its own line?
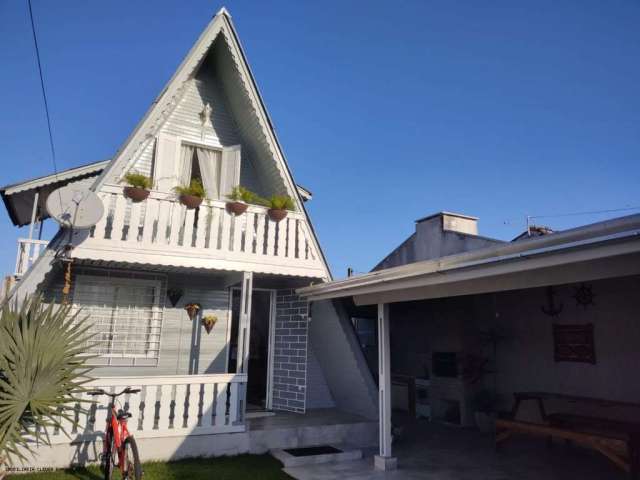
column 75, row 207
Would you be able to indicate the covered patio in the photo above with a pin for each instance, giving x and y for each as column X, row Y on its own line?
column 439, row 452
column 567, row 304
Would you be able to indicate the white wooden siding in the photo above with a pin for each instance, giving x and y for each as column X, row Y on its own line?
column 181, row 351
column 220, row 131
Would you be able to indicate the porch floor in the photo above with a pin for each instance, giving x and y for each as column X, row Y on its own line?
column 312, row 418
column 438, row 452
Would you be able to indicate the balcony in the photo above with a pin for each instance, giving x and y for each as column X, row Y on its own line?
column 28, row 252
column 161, row 231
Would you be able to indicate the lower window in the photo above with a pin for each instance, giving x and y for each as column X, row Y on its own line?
column 125, row 315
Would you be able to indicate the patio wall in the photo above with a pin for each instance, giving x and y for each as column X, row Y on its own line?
column 525, row 360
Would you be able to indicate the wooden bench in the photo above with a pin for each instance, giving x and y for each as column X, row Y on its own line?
column 620, row 447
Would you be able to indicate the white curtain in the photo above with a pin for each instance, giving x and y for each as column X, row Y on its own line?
column 209, row 163
column 184, row 171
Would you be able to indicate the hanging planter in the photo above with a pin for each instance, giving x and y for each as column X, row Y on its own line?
column 138, row 186
column 277, row 214
column 191, row 195
column 237, row 208
column 208, row 321
column 174, row 294
column 192, row 309
column 190, row 201
column 239, row 200
column 136, row 194
column 279, row 206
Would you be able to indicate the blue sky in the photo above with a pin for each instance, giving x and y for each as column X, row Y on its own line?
column 387, row 111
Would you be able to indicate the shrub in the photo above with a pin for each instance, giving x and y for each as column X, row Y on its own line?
column 280, row 202
column 42, row 369
column 242, row 194
column 137, row 180
column 194, row 188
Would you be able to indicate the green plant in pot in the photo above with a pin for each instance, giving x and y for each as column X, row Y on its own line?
column 138, row 186
column 279, row 206
column 239, row 200
column 192, row 195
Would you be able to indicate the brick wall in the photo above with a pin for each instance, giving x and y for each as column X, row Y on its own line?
column 290, row 352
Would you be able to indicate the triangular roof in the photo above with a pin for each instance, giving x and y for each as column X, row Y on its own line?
column 165, row 103
column 221, row 26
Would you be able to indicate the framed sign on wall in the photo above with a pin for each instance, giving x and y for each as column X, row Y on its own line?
column 574, row 343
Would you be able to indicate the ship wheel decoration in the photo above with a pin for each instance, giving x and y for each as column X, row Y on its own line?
column 584, row 295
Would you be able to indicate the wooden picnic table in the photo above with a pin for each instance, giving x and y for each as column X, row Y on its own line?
column 618, row 440
column 540, row 397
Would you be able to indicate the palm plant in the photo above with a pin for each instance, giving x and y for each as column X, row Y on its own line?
column 43, row 368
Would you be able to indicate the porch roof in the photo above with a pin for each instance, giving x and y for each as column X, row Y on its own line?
column 19, row 197
column 600, row 250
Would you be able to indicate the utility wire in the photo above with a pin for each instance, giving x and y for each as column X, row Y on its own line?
column 573, row 214
column 44, row 97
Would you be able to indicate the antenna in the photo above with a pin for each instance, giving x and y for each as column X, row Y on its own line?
column 75, row 207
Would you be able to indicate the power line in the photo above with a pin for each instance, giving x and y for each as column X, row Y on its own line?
column 44, row 95
column 592, row 212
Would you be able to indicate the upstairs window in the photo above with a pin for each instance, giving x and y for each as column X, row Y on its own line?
column 201, row 164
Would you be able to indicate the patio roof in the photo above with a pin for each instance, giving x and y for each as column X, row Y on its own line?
column 600, row 250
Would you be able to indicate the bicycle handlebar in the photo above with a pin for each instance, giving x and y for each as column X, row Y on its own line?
column 100, row 391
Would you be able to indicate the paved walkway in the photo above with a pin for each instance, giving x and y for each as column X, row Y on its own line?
column 437, row 452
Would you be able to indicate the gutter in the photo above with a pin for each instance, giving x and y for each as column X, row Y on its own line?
column 346, row 290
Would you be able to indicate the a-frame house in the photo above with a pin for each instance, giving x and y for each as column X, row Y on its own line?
column 140, row 268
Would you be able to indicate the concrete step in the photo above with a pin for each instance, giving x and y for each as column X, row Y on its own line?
column 296, row 458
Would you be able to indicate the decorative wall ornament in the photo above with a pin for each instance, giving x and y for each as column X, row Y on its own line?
column 584, row 295
column 208, row 321
column 205, row 116
column 574, row 343
column 174, row 295
column 192, row 310
column 552, row 309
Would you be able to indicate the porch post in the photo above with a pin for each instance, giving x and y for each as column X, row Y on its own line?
column 34, row 211
column 244, row 327
column 244, row 330
column 384, row 461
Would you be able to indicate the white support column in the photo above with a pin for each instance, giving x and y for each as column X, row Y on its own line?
column 384, row 461
column 34, row 211
column 244, row 331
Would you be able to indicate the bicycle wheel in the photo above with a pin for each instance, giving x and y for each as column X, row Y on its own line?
column 132, row 468
column 106, row 463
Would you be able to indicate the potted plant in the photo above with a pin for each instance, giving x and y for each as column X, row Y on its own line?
column 239, row 200
column 192, row 309
column 279, row 206
column 191, row 195
column 138, row 186
column 485, row 402
column 208, row 321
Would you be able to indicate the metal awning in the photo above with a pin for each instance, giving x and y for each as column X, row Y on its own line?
column 601, row 250
column 19, row 197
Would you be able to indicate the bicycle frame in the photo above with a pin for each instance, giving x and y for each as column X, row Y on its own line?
column 119, row 430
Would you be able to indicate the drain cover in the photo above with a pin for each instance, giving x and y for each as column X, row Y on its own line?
column 309, row 451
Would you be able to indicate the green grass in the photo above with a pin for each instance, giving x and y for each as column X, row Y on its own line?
column 252, row 467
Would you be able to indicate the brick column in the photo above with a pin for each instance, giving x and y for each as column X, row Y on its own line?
column 290, row 352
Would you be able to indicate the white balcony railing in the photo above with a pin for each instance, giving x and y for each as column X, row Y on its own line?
column 160, row 230
column 174, row 405
column 28, row 252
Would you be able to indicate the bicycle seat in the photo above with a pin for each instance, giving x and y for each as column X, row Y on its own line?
column 122, row 414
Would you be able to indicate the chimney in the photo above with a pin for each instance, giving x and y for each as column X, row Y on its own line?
column 431, row 241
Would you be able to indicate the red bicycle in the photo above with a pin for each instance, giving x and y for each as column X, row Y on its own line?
column 117, row 440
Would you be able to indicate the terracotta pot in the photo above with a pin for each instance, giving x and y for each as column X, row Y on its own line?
column 276, row 214
column 190, row 201
column 136, row 194
column 237, row 208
